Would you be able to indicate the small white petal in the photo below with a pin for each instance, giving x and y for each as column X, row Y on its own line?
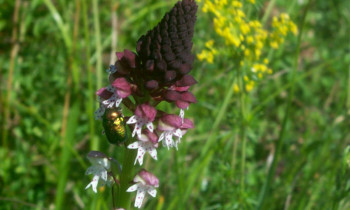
column 182, row 114
column 139, row 197
column 138, row 128
column 169, row 139
column 178, row 133
column 105, row 163
column 140, row 153
column 118, row 101
column 161, row 137
column 134, row 145
column 133, row 132
column 149, row 126
column 132, row 188
column 93, row 183
column 152, row 191
column 153, row 152
column 104, row 175
column 132, row 120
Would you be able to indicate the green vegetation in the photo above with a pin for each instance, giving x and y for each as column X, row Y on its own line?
column 52, row 60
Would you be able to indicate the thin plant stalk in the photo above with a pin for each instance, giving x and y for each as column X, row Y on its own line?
column 95, row 10
column 14, row 51
column 242, row 129
column 90, row 105
column 265, row 190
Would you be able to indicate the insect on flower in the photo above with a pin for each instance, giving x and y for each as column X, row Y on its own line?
column 114, row 126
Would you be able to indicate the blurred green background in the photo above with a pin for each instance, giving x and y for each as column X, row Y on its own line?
column 53, row 56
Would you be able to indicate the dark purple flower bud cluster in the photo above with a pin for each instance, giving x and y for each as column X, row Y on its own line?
column 160, row 68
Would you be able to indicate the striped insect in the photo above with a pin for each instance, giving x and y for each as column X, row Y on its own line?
column 114, row 126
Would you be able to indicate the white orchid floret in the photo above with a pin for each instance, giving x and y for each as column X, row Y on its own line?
column 170, row 127
column 147, row 142
column 112, row 95
column 145, row 182
column 144, row 115
column 100, row 166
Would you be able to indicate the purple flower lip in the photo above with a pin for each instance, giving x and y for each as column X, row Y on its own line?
column 169, row 122
column 122, row 87
column 149, row 136
column 146, row 111
column 172, row 95
column 182, row 100
column 104, row 93
column 186, row 80
column 187, row 124
column 128, row 58
column 186, row 99
column 149, row 178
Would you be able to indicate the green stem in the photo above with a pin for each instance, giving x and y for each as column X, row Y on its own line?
column 179, row 180
column 268, row 12
column 265, row 190
column 242, row 128
column 95, row 10
column 94, row 143
column 124, row 198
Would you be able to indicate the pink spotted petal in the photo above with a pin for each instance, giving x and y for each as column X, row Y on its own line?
column 132, row 120
column 139, row 197
column 138, row 128
column 132, row 188
column 134, row 145
column 169, row 140
column 178, row 133
column 149, row 126
column 140, row 154
column 153, row 152
column 152, row 192
column 182, row 114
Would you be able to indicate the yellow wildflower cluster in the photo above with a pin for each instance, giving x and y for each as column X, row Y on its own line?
column 246, row 39
column 280, row 28
column 208, row 54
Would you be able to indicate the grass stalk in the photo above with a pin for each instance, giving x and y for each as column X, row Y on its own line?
column 268, row 12
column 65, row 158
column 95, row 10
column 90, row 105
column 14, row 52
column 242, row 128
column 265, row 190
